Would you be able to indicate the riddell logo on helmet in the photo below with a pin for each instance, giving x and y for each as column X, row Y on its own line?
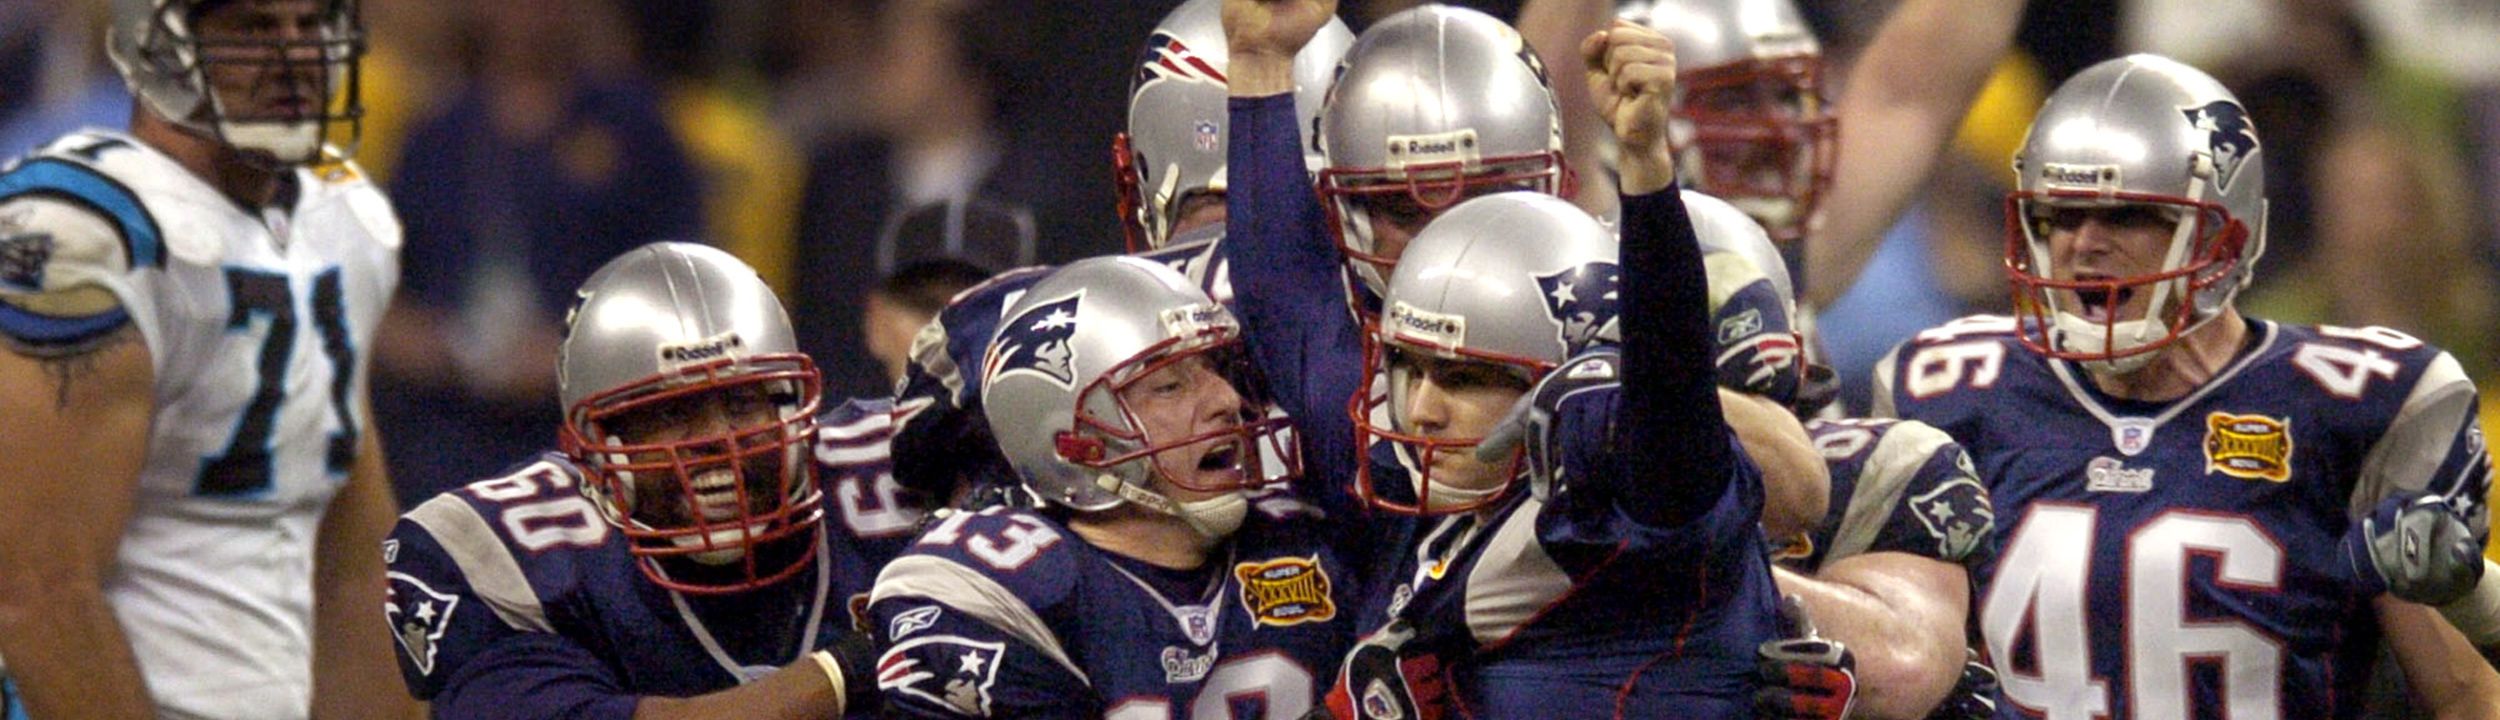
column 678, row 355
column 1434, row 148
column 2063, row 176
column 1407, row 322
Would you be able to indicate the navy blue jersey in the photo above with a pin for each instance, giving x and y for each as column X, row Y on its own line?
column 941, row 440
column 1897, row 486
column 1565, row 607
column 513, row 598
column 1007, row 613
column 1635, row 593
column 2175, row 559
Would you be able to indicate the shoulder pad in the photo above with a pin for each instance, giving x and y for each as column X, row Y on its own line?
column 1911, row 489
column 64, row 260
column 1967, row 352
column 1007, row 568
column 504, row 532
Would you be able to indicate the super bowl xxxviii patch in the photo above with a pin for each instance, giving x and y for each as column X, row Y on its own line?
column 1285, row 591
column 2252, row 447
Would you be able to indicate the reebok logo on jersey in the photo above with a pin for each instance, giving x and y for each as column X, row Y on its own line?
column 911, row 622
column 2250, row 447
column 1285, row 591
column 418, row 617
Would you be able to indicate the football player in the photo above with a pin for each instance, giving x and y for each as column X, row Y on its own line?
column 2201, row 511
column 1170, row 166
column 1151, row 581
column 1885, row 575
column 1394, row 160
column 1754, row 128
column 1496, row 600
column 702, row 545
column 193, row 490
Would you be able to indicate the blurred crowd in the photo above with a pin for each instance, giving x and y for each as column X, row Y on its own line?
column 870, row 157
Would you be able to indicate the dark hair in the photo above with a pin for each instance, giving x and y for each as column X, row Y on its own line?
column 983, row 232
column 924, row 286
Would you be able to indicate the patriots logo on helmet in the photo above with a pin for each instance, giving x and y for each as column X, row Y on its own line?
column 418, row 617
column 2228, row 136
column 1036, row 342
column 1167, row 58
column 1582, row 302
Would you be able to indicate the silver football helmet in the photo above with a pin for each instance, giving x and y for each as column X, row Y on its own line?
column 2146, row 132
column 1177, row 116
column 1053, row 388
column 1753, row 307
column 660, row 345
column 1518, row 280
column 166, row 63
column 1432, row 106
column 1749, row 121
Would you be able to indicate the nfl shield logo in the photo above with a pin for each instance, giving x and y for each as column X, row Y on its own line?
column 2131, row 435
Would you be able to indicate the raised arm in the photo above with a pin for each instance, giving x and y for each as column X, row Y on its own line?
column 1670, row 419
column 1287, row 276
column 1905, row 97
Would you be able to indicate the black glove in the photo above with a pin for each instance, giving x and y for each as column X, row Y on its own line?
column 1974, row 697
column 1803, row 675
column 854, row 656
column 2415, row 546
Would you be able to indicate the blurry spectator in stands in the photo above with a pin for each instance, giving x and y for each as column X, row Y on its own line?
column 2374, row 212
column 904, row 302
column 836, row 316
column 707, row 59
column 53, row 76
column 553, row 159
column 929, row 138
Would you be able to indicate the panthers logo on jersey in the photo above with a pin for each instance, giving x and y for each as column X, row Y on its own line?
column 1582, row 302
column 2228, row 135
column 1037, row 343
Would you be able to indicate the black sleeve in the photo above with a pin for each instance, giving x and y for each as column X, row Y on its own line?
column 1671, row 417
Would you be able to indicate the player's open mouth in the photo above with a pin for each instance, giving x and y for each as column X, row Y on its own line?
column 1227, row 457
column 2100, row 301
column 716, row 495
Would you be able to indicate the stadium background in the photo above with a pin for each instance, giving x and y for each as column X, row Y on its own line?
column 527, row 142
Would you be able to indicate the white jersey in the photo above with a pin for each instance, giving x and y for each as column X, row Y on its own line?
column 258, row 328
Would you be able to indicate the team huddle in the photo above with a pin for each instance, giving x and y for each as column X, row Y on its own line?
column 1401, row 407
